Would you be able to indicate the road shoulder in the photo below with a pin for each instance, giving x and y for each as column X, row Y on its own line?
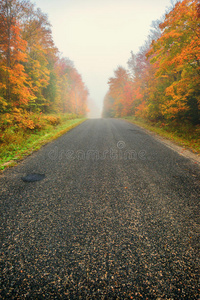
column 195, row 158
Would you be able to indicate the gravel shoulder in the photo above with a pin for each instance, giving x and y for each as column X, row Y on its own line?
column 180, row 150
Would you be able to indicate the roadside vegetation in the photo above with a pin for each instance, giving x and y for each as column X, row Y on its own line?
column 23, row 134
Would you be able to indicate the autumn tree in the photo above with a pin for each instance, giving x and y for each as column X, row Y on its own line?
column 72, row 93
column 33, row 75
column 177, row 55
column 120, row 90
column 42, row 56
column 165, row 73
column 15, row 85
column 78, row 93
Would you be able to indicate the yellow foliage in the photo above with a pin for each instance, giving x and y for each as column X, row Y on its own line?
column 52, row 120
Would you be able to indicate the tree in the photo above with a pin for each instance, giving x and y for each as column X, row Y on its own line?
column 72, row 93
column 32, row 74
column 15, row 85
column 120, row 88
column 42, row 56
column 177, row 53
column 108, row 106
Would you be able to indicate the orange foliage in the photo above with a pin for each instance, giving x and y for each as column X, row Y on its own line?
column 166, row 75
column 32, row 76
column 15, row 84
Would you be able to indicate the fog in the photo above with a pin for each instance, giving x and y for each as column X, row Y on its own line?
column 98, row 36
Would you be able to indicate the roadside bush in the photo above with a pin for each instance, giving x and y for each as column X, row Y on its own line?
column 19, row 124
column 53, row 120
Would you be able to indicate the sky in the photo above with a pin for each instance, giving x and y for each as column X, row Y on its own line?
column 99, row 35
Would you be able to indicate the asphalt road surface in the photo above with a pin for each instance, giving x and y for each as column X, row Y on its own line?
column 115, row 217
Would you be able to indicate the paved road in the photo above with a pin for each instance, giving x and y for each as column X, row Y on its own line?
column 116, row 217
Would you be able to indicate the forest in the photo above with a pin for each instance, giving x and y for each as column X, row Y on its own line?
column 162, row 82
column 34, row 78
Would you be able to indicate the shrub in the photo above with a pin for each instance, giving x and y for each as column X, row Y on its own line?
column 52, row 120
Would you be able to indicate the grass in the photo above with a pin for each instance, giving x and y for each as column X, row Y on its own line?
column 184, row 135
column 22, row 143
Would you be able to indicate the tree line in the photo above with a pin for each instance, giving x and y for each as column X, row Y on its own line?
column 162, row 82
column 34, row 77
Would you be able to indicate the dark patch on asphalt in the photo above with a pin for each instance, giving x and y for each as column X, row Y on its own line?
column 33, row 177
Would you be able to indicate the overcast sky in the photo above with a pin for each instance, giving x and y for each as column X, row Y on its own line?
column 98, row 35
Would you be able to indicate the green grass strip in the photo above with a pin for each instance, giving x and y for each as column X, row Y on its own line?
column 14, row 152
